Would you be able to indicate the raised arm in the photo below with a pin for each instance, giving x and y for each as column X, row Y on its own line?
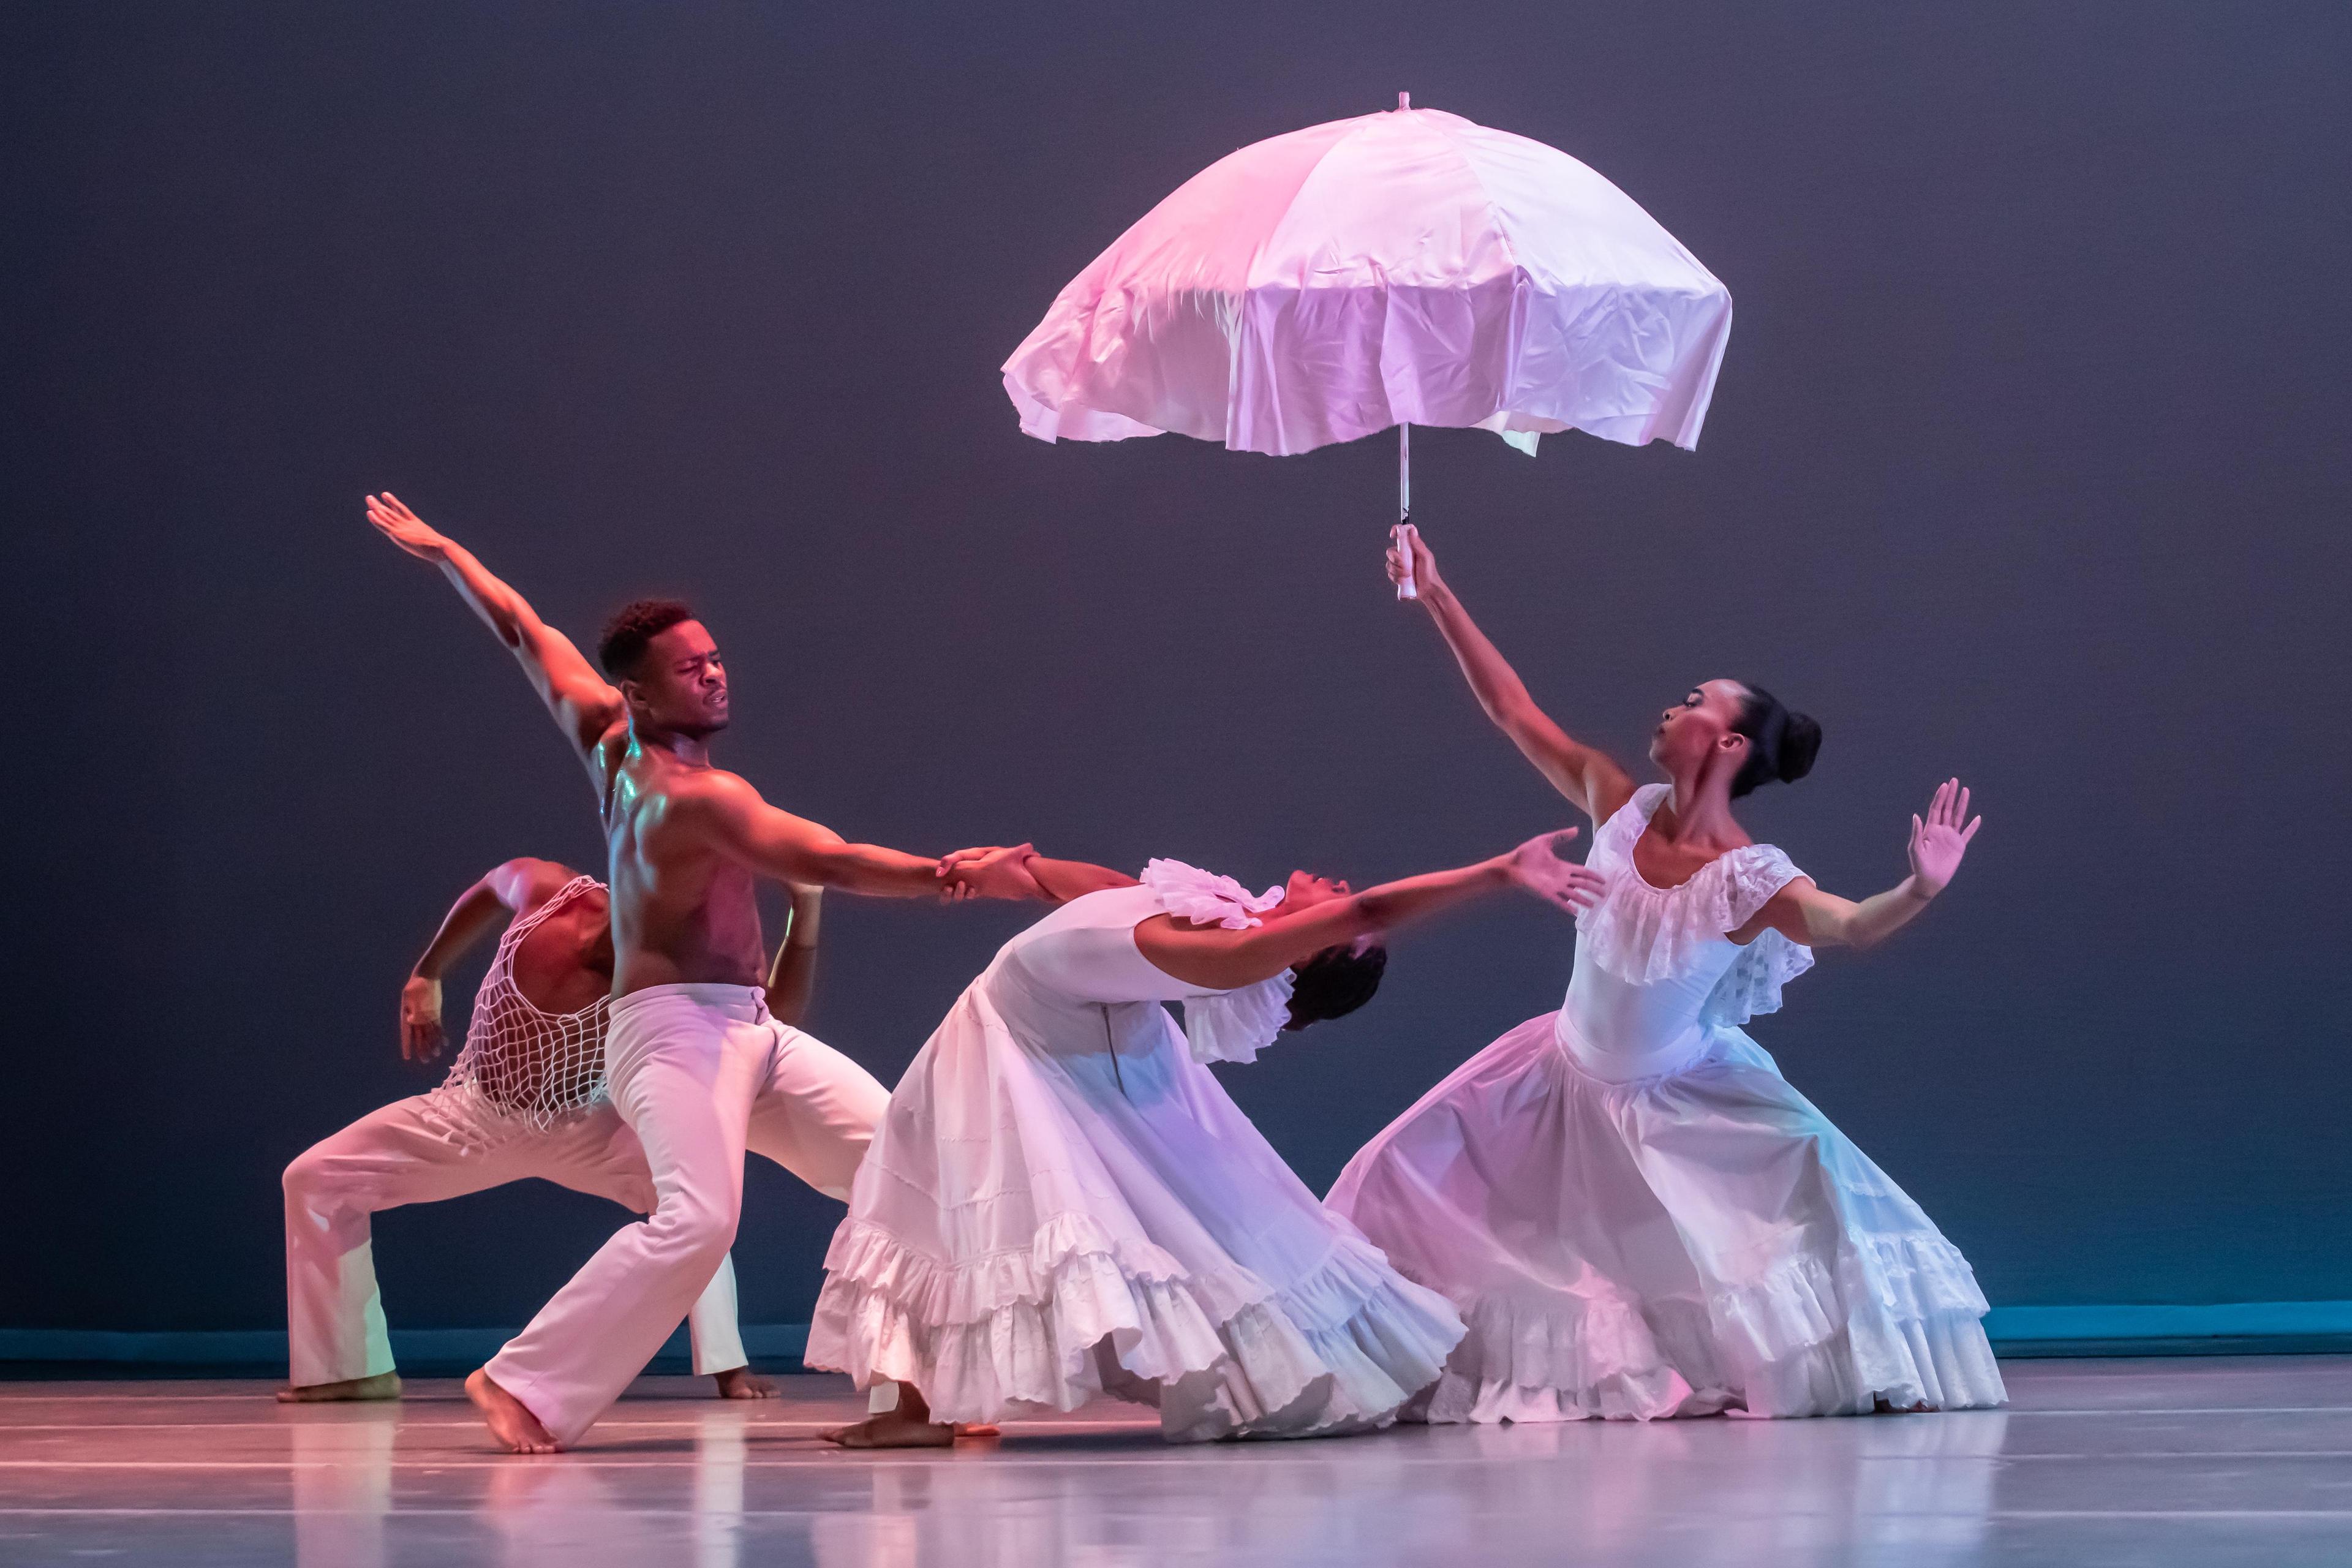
column 506, row 890
column 585, row 706
column 1592, row 780
column 792, row 979
column 1803, row 912
column 1223, row 960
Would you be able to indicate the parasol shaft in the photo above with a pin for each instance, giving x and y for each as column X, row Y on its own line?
column 1405, row 589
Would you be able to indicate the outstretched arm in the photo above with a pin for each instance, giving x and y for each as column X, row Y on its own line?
column 1223, row 960
column 775, row 844
column 1591, row 781
column 792, row 979
column 584, row 704
column 507, row 890
column 1803, row 912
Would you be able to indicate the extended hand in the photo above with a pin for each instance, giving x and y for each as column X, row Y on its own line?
column 421, row 1034
column 1542, row 866
column 404, row 528
column 1938, row 843
column 1424, row 565
column 998, row 872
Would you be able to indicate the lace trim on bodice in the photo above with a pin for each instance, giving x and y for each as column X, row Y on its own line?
column 1223, row 1025
column 1644, row 934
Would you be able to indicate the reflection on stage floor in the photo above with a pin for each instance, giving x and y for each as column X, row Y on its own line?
column 2241, row 1460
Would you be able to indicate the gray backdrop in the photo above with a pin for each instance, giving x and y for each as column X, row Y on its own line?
column 2028, row 461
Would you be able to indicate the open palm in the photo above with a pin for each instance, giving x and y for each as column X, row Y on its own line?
column 1542, row 866
column 1938, row 842
column 404, row 528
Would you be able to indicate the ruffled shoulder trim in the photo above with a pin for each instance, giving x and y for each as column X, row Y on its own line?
column 1198, row 895
column 1223, row 1025
column 1752, row 984
column 1751, row 875
column 1234, row 1026
column 1642, row 934
column 1613, row 840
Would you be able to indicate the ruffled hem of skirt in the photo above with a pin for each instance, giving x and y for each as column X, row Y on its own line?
column 1575, row 1359
column 1028, row 1332
column 1897, row 1319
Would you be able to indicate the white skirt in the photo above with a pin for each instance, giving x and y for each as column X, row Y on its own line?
column 1678, row 1245
column 1031, row 1228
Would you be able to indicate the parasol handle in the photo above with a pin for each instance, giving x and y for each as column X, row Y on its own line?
column 1403, row 532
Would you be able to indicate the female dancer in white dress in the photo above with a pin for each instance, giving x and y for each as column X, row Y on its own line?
column 1634, row 1213
column 1061, row 1200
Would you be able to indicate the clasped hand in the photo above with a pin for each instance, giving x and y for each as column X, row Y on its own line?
column 995, row 871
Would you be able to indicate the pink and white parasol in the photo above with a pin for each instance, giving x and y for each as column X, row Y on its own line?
column 1405, row 267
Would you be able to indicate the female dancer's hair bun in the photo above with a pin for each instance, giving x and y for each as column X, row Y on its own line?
column 1800, row 744
column 1781, row 744
column 1335, row 983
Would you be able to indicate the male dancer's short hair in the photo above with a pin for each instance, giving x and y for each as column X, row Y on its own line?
column 621, row 649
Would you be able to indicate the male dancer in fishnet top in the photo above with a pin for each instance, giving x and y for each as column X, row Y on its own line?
column 526, row 1098
column 698, row 1069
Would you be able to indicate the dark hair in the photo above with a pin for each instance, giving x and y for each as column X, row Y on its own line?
column 621, row 649
column 1781, row 744
column 1335, row 983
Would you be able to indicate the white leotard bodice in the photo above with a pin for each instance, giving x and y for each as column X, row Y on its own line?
column 1076, row 975
column 1656, row 970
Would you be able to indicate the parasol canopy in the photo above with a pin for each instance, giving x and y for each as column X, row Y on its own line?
column 1404, row 267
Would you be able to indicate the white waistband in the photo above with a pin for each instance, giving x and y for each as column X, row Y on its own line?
column 1685, row 1050
column 749, row 1001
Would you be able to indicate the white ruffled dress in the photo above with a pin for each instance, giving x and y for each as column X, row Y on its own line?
column 1061, row 1200
column 1635, row 1212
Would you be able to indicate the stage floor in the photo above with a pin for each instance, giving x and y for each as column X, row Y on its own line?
column 2244, row 1460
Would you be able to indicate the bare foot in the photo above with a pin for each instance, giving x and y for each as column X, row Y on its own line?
column 383, row 1385
column 977, row 1429
column 893, row 1429
column 742, row 1382
column 515, row 1427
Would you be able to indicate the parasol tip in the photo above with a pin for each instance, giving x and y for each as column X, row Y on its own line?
column 1405, row 101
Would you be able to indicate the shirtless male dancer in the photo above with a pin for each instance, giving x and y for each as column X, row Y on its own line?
column 526, row 1098
column 698, row 1066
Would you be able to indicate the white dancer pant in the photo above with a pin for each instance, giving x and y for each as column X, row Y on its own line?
column 700, row 1072
column 422, row 1150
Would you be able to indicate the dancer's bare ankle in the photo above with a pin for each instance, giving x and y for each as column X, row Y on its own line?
column 742, row 1382
column 906, row 1423
column 893, row 1429
column 510, row 1420
column 380, row 1385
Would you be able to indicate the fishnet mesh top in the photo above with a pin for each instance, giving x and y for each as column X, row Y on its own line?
column 536, row 1066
